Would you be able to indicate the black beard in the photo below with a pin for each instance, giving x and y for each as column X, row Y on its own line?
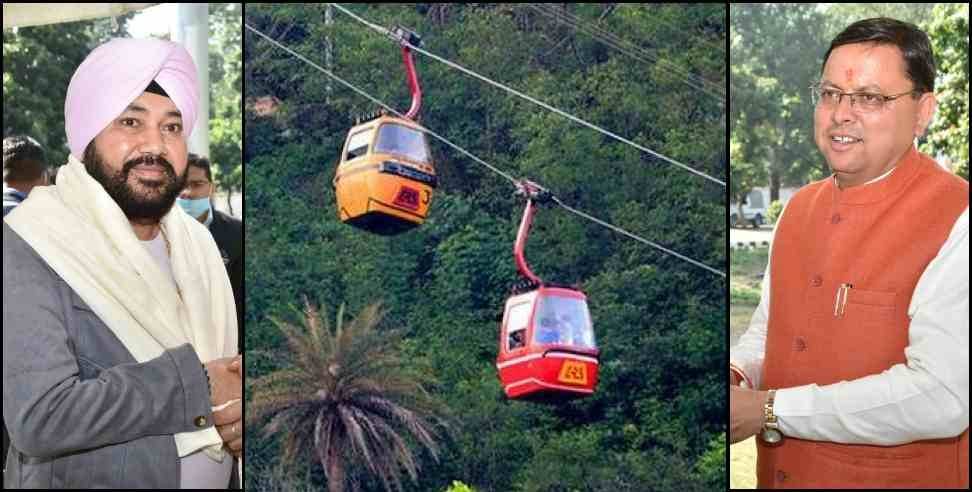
column 145, row 206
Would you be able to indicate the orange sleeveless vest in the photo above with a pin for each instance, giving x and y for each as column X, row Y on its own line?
column 878, row 237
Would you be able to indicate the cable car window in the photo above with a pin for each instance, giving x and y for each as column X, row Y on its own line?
column 403, row 141
column 563, row 320
column 358, row 144
column 516, row 324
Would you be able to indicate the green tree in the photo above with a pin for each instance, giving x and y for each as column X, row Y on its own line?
column 841, row 15
column 773, row 211
column 38, row 63
column 712, row 465
column 348, row 401
column 746, row 175
column 226, row 89
column 458, row 486
column 775, row 59
column 948, row 135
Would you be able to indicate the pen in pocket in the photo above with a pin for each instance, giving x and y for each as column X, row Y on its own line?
column 841, row 301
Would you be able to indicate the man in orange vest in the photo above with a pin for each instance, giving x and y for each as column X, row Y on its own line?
column 855, row 367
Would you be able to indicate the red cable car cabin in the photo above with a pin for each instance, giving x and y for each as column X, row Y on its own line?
column 547, row 351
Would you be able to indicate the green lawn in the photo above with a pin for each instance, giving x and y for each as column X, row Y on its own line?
column 745, row 269
column 739, row 316
column 747, row 266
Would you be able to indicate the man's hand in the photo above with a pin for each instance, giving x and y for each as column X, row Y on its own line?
column 225, row 379
column 229, row 419
column 229, row 424
column 745, row 413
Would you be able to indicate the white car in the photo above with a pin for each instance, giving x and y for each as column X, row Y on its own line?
column 753, row 210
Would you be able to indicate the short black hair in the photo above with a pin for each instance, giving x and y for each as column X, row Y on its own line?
column 912, row 41
column 201, row 163
column 23, row 159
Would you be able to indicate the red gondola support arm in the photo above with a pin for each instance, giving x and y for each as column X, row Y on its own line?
column 405, row 38
column 521, row 239
column 535, row 194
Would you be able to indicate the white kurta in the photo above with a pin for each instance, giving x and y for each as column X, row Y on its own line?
column 198, row 470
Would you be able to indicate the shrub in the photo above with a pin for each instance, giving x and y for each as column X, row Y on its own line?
column 774, row 211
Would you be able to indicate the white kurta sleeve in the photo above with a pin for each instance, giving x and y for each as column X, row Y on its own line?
column 748, row 353
column 927, row 397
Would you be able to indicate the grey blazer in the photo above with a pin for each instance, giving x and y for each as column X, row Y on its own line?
column 80, row 411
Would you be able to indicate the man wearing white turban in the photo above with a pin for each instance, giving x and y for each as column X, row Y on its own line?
column 119, row 325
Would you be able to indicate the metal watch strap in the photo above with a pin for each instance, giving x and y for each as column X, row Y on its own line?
column 769, row 418
column 771, row 427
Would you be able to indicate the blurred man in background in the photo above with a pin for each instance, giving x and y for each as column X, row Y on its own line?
column 24, row 167
column 197, row 200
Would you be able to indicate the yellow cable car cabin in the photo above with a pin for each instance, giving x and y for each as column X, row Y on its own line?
column 385, row 179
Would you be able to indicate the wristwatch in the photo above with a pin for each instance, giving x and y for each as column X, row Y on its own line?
column 771, row 428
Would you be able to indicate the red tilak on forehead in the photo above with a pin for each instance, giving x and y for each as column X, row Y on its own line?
column 849, row 74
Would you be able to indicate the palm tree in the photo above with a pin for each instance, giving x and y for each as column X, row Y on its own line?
column 348, row 400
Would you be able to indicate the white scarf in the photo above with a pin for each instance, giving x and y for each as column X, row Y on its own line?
column 84, row 236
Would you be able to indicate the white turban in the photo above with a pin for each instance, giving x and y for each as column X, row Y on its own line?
column 116, row 73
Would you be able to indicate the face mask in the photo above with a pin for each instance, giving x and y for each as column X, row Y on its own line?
column 196, row 208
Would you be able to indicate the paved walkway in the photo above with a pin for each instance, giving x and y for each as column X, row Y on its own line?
column 742, row 464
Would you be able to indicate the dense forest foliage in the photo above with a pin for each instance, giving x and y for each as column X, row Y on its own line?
column 654, row 74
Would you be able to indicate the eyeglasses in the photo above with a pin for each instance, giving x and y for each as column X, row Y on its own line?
column 863, row 102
